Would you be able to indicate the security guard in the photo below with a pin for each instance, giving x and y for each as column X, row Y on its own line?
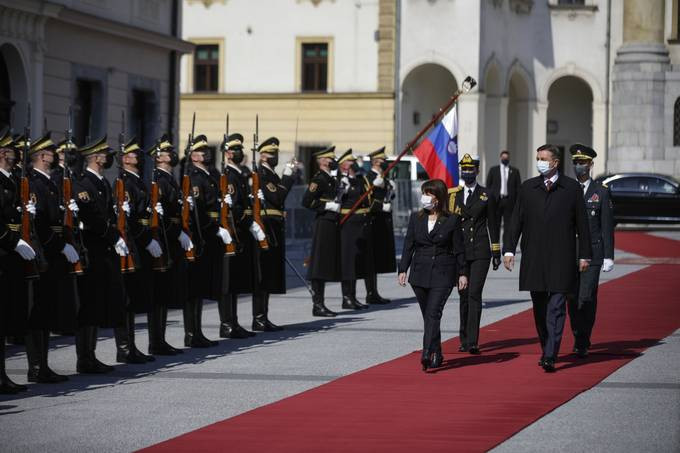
column 56, row 279
column 382, row 228
column 272, row 262
column 478, row 215
column 583, row 305
column 171, row 286
column 322, row 196
column 16, row 253
column 100, row 288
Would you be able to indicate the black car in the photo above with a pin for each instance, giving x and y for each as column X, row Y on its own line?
column 644, row 197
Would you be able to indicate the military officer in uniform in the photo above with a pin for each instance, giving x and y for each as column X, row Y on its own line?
column 206, row 273
column 583, row 305
column 138, row 284
column 171, row 286
column 381, row 229
column 59, row 254
column 323, row 198
column 272, row 262
column 356, row 259
column 15, row 253
column 477, row 208
column 100, row 288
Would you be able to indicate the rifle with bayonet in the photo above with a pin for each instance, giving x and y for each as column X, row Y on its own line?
column 157, row 225
column 69, row 230
column 186, row 193
column 127, row 262
column 31, row 270
column 257, row 204
column 226, row 217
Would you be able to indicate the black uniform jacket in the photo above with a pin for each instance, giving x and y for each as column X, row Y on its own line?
column 382, row 228
column 478, row 217
column 322, row 189
column 138, row 197
column 550, row 224
column 601, row 221
column 11, row 218
column 493, row 182
column 435, row 258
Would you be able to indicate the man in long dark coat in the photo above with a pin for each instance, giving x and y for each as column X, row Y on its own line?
column 551, row 218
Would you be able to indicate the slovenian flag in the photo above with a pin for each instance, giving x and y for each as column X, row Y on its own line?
column 438, row 153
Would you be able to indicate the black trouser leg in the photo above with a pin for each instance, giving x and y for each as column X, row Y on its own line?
column 556, row 313
column 259, row 307
column 583, row 307
column 473, row 300
column 188, row 315
column 463, row 317
column 432, row 301
column 7, row 386
column 82, row 354
column 539, row 300
column 34, row 352
column 153, row 321
column 318, row 307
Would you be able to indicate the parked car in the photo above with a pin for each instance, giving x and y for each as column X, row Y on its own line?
column 644, row 197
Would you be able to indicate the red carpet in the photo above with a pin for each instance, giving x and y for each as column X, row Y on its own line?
column 471, row 404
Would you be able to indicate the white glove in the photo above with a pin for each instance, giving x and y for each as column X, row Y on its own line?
column 607, row 265
column 228, row 200
column 126, row 207
column 256, row 231
column 288, row 169
column 70, row 253
column 387, row 207
column 121, row 248
column 332, row 206
column 185, row 241
column 24, row 250
column 159, row 209
column 378, row 181
column 73, row 206
column 260, row 195
column 30, row 207
column 223, row 234
column 190, row 200
column 344, row 181
column 334, row 173
column 154, row 248
column 392, row 184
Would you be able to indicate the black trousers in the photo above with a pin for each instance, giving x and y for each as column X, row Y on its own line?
column 471, row 302
column 432, row 301
column 550, row 311
column 504, row 212
column 583, row 306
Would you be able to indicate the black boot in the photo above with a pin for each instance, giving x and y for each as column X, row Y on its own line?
column 164, row 326
column 86, row 343
column 188, row 313
column 127, row 352
column 198, row 321
column 156, row 320
column 349, row 300
column 7, row 386
column 372, row 296
column 318, row 307
column 261, row 320
column 230, row 328
column 37, row 346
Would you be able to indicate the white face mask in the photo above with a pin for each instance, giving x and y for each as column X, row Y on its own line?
column 543, row 167
column 427, row 201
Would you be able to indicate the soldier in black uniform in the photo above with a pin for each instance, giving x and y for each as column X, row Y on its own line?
column 60, row 256
column 206, row 277
column 583, row 305
column 244, row 272
column 14, row 254
column 356, row 259
column 478, row 212
column 272, row 262
column 382, row 229
column 171, row 286
column 322, row 197
column 100, row 289
column 138, row 284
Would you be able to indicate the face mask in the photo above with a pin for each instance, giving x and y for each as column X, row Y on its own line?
column 468, row 176
column 238, row 156
column 355, row 167
column 427, row 202
column 207, row 158
column 273, row 161
column 109, row 161
column 55, row 162
column 174, row 159
column 543, row 167
column 384, row 166
column 505, row 161
column 581, row 169
column 333, row 165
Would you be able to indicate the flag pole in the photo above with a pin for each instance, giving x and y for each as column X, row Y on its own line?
column 468, row 84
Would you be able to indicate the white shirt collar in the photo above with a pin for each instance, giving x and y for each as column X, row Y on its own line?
column 42, row 173
column 235, row 168
column 5, row 172
column 472, row 186
column 586, row 184
column 553, row 178
column 132, row 173
column 163, row 169
column 101, row 178
column 266, row 165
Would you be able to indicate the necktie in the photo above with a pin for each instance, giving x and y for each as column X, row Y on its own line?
column 548, row 184
column 469, row 194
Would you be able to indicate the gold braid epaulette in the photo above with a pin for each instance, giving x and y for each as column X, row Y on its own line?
column 452, row 198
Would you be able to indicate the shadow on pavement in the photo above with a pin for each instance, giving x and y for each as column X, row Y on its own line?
column 604, row 352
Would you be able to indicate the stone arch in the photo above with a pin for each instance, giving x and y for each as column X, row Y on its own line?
column 516, row 72
column 492, row 83
column 520, row 96
column 17, row 87
column 572, row 70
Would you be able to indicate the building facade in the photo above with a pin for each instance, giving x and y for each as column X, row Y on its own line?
column 103, row 57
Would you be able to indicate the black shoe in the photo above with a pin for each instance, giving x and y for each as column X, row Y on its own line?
column 321, row 311
column 436, row 360
column 92, row 367
column 265, row 325
column 359, row 304
column 192, row 341
column 350, row 303
column 462, row 348
column 130, row 356
column 45, row 376
column 549, row 365
column 474, row 350
column 425, row 360
column 374, row 299
column 541, row 361
column 582, row 353
column 9, row 387
column 206, row 341
column 163, row 349
column 235, row 332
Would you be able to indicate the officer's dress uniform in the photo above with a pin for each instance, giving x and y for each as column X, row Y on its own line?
column 477, row 209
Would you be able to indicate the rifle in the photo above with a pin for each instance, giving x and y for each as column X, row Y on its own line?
column 257, row 205
column 226, row 218
column 468, row 84
column 127, row 263
column 30, row 267
column 77, row 267
column 186, row 193
column 160, row 264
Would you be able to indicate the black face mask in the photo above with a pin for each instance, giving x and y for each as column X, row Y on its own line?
column 55, row 163
column 383, row 166
column 238, row 156
column 273, row 161
column 140, row 164
column 174, row 159
column 505, row 161
column 355, row 167
column 333, row 165
column 109, row 161
column 468, row 176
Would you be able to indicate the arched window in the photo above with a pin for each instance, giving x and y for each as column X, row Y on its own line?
column 676, row 123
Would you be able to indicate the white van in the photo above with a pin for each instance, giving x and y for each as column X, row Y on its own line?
column 407, row 168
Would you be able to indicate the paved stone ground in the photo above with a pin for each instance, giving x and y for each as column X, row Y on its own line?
column 635, row 409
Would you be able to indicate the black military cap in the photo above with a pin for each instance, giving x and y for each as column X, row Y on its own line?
column 131, row 146
column 96, row 146
column 469, row 162
column 6, row 139
column 327, row 152
column 162, row 144
column 43, row 143
column 269, row 146
column 65, row 145
column 347, row 155
column 200, row 142
column 378, row 154
column 583, row 152
column 233, row 141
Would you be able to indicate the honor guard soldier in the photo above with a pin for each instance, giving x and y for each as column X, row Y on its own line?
column 56, row 280
column 322, row 197
column 17, row 253
column 100, row 288
column 583, row 305
column 138, row 284
column 171, row 286
column 382, row 229
column 477, row 209
column 244, row 272
column 206, row 274
column 272, row 262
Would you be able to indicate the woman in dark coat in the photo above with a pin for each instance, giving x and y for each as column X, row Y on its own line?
column 434, row 251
